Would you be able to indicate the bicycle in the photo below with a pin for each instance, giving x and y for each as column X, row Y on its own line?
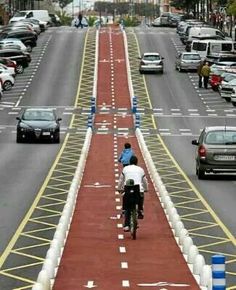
column 131, row 200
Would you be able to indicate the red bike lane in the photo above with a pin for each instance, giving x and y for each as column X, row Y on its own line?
column 97, row 252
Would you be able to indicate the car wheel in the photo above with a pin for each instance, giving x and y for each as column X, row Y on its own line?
column 7, row 85
column 1, row 94
column 234, row 104
column 56, row 138
column 141, row 71
column 19, row 69
column 29, row 47
column 228, row 100
column 18, row 138
column 200, row 173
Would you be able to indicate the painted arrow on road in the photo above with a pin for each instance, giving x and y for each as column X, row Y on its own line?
column 90, row 285
column 162, row 284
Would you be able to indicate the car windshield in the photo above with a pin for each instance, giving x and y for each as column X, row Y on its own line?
column 229, row 77
column 221, row 137
column 33, row 115
column 151, row 57
column 191, row 57
column 19, row 14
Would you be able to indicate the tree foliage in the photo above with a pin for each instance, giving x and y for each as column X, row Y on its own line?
column 231, row 7
column 64, row 3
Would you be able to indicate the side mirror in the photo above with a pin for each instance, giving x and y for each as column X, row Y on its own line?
column 162, row 58
column 18, row 118
column 195, row 142
column 59, row 119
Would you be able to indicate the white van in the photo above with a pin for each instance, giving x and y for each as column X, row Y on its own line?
column 41, row 15
column 199, row 30
column 208, row 46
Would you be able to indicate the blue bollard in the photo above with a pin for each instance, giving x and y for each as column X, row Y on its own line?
column 218, row 272
column 137, row 121
column 93, row 105
column 134, row 107
column 90, row 121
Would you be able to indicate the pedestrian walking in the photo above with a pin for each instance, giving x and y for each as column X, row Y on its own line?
column 199, row 72
column 78, row 22
column 205, row 71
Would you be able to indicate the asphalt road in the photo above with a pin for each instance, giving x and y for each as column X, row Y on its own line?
column 50, row 80
column 183, row 112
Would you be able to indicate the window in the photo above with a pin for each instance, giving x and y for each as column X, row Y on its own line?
column 199, row 46
column 221, row 137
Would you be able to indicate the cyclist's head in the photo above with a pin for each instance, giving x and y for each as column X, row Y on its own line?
column 127, row 145
column 133, row 160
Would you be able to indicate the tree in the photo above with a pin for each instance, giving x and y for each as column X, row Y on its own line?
column 231, row 8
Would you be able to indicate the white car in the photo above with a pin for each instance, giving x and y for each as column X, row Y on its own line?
column 6, row 69
column 13, row 43
column 7, row 81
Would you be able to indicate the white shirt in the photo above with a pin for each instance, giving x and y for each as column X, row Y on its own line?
column 136, row 173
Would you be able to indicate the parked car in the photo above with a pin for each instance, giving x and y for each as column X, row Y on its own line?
column 226, row 87
column 38, row 124
column 21, row 58
column 13, row 43
column 10, row 70
column 1, row 90
column 151, row 62
column 156, row 22
column 216, row 150
column 55, row 20
column 8, row 62
column 7, row 81
column 219, row 57
column 187, row 61
column 233, row 97
column 29, row 38
column 34, row 24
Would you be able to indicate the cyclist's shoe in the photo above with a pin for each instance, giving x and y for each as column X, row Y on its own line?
column 126, row 229
column 140, row 214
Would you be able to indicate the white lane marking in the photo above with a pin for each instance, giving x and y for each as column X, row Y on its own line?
column 119, row 226
column 120, row 237
column 90, row 285
column 163, row 284
column 124, row 265
column 122, row 250
column 125, row 283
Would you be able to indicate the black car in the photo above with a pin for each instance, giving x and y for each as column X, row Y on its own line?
column 29, row 38
column 38, row 124
column 21, row 58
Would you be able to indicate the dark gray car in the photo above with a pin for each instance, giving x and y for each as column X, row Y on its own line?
column 216, row 150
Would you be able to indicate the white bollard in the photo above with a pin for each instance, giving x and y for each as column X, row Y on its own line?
column 183, row 233
column 56, row 245
column 174, row 219
column 44, row 280
column 165, row 200
column 188, row 242
column 53, row 255
column 49, row 267
column 205, row 276
column 60, row 234
column 192, row 253
column 178, row 227
column 198, row 264
column 37, row 286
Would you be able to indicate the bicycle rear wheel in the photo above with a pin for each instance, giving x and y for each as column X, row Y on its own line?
column 133, row 224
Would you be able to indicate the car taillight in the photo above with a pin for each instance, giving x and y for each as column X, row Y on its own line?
column 202, row 151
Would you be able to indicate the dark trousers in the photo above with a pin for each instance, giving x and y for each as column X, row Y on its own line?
column 199, row 81
column 205, row 81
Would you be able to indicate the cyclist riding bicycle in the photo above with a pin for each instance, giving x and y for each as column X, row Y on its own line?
column 137, row 174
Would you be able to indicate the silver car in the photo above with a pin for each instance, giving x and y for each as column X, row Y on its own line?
column 187, row 61
column 151, row 62
column 216, row 150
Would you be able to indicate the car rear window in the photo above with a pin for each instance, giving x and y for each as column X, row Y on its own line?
column 191, row 57
column 221, row 137
column 151, row 57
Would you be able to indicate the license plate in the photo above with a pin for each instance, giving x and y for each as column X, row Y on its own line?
column 46, row 133
column 224, row 157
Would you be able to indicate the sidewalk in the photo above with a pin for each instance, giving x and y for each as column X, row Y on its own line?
column 98, row 253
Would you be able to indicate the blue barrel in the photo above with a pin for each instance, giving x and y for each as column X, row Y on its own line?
column 134, row 105
column 93, row 105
